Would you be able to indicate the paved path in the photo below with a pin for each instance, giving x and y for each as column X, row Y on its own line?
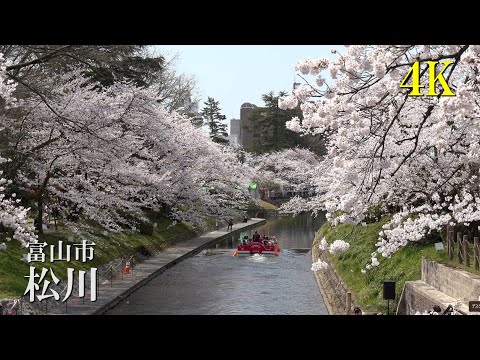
column 110, row 294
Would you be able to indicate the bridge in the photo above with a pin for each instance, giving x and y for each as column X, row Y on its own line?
column 291, row 193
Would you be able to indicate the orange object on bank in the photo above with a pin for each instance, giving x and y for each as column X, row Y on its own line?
column 127, row 267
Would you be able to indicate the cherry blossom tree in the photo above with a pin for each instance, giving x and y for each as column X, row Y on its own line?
column 31, row 65
column 415, row 157
column 176, row 90
column 109, row 153
column 12, row 215
column 7, row 87
column 294, row 168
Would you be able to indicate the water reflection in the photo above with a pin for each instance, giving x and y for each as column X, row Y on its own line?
column 291, row 232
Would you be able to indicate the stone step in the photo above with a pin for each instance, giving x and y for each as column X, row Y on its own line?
column 457, row 283
column 420, row 296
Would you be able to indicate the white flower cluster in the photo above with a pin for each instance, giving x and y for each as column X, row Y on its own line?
column 14, row 217
column 312, row 66
column 319, row 265
column 287, row 102
column 373, row 263
column 338, row 246
column 7, row 86
column 323, row 244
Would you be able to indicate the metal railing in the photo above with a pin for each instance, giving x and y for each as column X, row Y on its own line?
column 107, row 275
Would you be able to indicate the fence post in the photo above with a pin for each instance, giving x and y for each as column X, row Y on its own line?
column 475, row 253
column 97, row 286
column 459, row 247
column 447, row 243
column 466, row 255
column 451, row 245
column 348, row 304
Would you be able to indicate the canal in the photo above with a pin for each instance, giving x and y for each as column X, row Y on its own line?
column 215, row 282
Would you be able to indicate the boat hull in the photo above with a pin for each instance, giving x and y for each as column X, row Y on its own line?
column 257, row 248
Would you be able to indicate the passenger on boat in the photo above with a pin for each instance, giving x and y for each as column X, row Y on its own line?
column 265, row 240
column 256, row 236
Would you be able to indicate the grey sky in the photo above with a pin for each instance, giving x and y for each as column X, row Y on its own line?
column 234, row 74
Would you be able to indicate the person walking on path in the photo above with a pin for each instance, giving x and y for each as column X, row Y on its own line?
column 230, row 225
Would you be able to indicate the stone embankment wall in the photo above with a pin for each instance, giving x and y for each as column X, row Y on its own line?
column 333, row 289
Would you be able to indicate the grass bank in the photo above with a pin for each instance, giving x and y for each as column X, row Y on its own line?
column 367, row 289
column 108, row 247
column 267, row 206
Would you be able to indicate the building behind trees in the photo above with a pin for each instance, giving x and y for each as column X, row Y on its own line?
column 262, row 129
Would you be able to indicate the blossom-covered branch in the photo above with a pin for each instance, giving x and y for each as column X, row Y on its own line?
column 416, row 157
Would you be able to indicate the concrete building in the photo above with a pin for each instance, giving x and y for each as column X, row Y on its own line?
column 233, row 140
column 246, row 111
column 241, row 129
column 235, row 132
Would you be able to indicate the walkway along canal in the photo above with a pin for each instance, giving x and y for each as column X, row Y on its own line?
column 114, row 291
column 215, row 282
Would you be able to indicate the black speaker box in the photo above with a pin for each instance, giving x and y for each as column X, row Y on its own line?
column 389, row 290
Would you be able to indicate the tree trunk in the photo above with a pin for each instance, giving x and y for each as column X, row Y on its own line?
column 40, row 214
column 40, row 203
